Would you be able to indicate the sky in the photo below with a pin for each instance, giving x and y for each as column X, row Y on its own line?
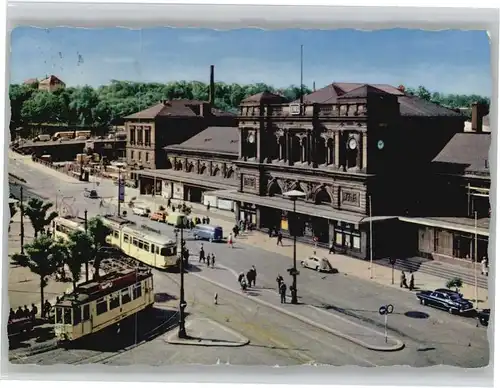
column 450, row 61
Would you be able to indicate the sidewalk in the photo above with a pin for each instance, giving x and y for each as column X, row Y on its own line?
column 335, row 324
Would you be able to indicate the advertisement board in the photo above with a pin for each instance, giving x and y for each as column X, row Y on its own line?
column 121, row 190
column 178, row 191
column 225, row 204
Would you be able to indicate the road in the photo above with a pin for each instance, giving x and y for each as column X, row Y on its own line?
column 432, row 337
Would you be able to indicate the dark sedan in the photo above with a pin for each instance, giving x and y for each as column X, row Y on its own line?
column 484, row 317
column 448, row 300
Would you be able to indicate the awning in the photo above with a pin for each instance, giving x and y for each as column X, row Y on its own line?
column 320, row 211
column 212, row 182
column 444, row 224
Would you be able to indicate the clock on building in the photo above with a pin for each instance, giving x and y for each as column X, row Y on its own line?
column 352, row 143
column 380, row 144
column 251, row 138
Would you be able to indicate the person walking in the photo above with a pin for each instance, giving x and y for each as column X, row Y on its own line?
column 202, row 254
column 283, row 292
column 34, row 311
column 254, row 274
column 332, row 248
column 279, row 280
column 412, row 281
column 279, row 239
column 402, row 282
column 230, row 240
column 270, row 232
column 213, row 260
column 484, row 266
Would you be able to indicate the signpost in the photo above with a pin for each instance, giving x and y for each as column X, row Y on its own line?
column 392, row 260
column 385, row 311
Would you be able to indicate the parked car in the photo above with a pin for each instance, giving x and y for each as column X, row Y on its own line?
column 484, row 317
column 319, row 264
column 141, row 210
column 91, row 194
column 160, row 216
column 208, row 232
column 451, row 301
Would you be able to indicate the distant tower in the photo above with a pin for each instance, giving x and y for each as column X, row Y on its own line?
column 314, row 86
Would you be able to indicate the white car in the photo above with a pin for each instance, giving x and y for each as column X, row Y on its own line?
column 141, row 211
column 318, row 264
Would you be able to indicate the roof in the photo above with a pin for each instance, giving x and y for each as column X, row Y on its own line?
column 409, row 105
column 264, row 98
column 30, row 81
column 51, row 79
column 467, row 149
column 212, row 139
column 176, row 108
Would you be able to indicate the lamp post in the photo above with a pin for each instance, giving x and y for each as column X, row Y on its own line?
column 475, row 260
column 182, row 302
column 119, row 189
column 371, row 236
column 293, row 195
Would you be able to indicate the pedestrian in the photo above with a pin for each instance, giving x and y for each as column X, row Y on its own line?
column 249, row 278
column 241, row 276
column 412, row 281
column 173, row 209
column 208, row 206
column 216, row 297
column 230, row 240
column 213, row 260
column 12, row 314
column 34, row 311
column 332, row 248
column 402, row 282
column 279, row 280
column 202, row 254
column 484, row 266
column 254, row 274
column 208, row 260
column 19, row 313
column 169, row 202
column 208, row 220
column 270, row 232
column 283, row 292
column 279, row 239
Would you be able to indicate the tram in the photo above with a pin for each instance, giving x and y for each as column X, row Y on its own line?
column 63, row 226
column 149, row 248
column 98, row 304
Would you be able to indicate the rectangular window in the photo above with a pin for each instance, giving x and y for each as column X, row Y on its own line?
column 157, row 250
column 86, row 312
column 67, row 316
column 146, row 247
column 125, row 238
column 356, row 242
column 77, row 315
column 114, row 301
column 139, row 155
column 147, row 156
column 101, row 306
column 137, row 291
column 152, row 248
column 134, row 241
column 141, row 245
column 59, row 318
column 126, row 296
column 131, row 154
column 116, row 234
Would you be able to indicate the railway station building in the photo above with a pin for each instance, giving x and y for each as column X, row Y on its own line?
column 375, row 164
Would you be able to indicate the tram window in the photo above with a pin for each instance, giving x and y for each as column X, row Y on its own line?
column 137, row 291
column 59, row 315
column 86, row 312
column 125, row 238
column 134, row 241
column 116, row 234
column 141, row 245
column 101, row 306
column 152, row 248
column 146, row 247
column 114, row 301
column 58, row 227
column 164, row 251
column 157, row 250
column 126, row 296
column 77, row 315
column 67, row 316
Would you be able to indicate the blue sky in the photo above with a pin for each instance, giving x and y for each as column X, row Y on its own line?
column 446, row 61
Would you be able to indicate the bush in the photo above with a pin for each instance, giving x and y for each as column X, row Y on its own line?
column 456, row 283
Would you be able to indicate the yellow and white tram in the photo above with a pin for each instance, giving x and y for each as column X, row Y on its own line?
column 148, row 248
column 63, row 226
column 97, row 304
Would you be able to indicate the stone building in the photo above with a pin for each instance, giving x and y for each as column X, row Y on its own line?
column 169, row 122
column 362, row 155
column 51, row 84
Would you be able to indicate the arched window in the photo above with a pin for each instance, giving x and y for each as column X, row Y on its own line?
column 296, row 149
column 322, row 196
column 274, row 189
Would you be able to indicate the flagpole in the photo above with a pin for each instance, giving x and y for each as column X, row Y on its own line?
column 475, row 259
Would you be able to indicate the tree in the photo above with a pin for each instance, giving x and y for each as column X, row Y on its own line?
column 42, row 257
column 423, row 93
column 79, row 250
column 98, row 233
column 454, row 283
column 37, row 213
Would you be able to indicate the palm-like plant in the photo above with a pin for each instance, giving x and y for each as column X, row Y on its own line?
column 98, row 233
column 37, row 210
column 79, row 250
column 42, row 256
column 456, row 283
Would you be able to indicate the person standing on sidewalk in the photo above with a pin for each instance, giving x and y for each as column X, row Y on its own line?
column 230, row 240
column 402, row 282
column 332, row 248
column 202, row 254
column 254, row 274
column 213, row 260
column 283, row 292
column 279, row 239
column 484, row 266
column 208, row 206
column 279, row 280
column 412, row 281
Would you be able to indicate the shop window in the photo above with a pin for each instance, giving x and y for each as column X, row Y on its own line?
column 356, row 242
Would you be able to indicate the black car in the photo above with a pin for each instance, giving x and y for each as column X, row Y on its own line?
column 484, row 317
column 444, row 299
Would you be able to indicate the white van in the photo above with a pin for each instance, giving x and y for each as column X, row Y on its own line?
column 42, row 138
column 141, row 210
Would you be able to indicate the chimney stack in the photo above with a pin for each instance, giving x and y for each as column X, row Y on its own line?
column 479, row 110
column 314, row 86
column 211, row 89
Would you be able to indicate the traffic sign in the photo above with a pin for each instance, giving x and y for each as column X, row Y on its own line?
column 382, row 310
column 386, row 309
column 390, row 308
column 183, row 305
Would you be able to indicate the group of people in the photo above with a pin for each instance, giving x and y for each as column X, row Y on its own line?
column 404, row 283
column 249, row 279
column 25, row 312
column 209, row 259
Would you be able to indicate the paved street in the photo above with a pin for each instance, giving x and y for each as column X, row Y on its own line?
column 431, row 336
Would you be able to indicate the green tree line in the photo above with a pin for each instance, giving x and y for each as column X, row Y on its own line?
column 87, row 106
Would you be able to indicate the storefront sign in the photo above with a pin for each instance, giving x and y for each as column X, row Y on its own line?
column 249, row 181
column 350, row 198
column 121, row 190
column 166, row 189
column 178, row 191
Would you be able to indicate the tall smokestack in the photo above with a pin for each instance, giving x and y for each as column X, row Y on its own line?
column 211, row 89
column 314, row 86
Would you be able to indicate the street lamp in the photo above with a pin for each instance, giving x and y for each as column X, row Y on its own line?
column 182, row 302
column 293, row 195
